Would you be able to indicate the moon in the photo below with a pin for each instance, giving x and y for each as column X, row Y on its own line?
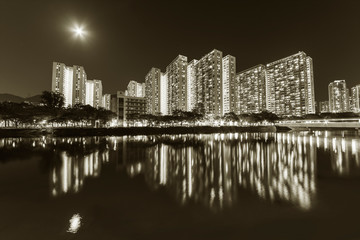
column 78, row 31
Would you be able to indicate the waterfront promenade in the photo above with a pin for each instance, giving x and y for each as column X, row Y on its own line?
column 335, row 124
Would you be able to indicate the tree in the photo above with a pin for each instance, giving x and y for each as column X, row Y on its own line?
column 17, row 113
column 231, row 116
column 199, row 109
column 312, row 116
column 104, row 115
column 269, row 116
column 52, row 99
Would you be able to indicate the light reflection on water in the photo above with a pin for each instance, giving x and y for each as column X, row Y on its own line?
column 211, row 172
column 69, row 176
column 205, row 169
column 74, row 223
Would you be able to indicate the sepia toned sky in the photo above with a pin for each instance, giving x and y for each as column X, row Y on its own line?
column 126, row 38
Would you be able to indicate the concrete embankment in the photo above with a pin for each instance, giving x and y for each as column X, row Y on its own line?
column 122, row 131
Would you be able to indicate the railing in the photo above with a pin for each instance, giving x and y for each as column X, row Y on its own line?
column 322, row 123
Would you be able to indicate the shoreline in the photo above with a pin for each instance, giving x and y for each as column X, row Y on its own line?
column 123, row 131
column 134, row 131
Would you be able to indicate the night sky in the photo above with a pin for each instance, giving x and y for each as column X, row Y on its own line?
column 127, row 38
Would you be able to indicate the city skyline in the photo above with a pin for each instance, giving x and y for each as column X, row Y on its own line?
column 284, row 87
column 127, row 53
column 139, row 89
column 211, row 85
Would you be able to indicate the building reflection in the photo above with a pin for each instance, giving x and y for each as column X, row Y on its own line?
column 343, row 148
column 212, row 172
column 68, row 175
column 209, row 170
column 71, row 160
column 128, row 152
column 72, row 166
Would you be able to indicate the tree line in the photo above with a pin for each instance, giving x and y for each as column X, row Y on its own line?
column 51, row 111
column 192, row 117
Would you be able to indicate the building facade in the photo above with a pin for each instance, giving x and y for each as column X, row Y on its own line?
column 355, row 98
column 106, row 101
column 126, row 107
column 152, row 91
column 176, row 73
column 290, row 86
column 94, row 93
column 69, row 81
column 79, row 87
column 211, row 86
column 324, row 107
column 135, row 89
column 230, row 87
column 252, row 90
column 338, row 96
column 164, row 94
column 208, row 72
column 191, row 85
column 62, row 81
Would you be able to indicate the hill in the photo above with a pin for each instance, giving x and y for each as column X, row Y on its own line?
column 34, row 99
column 13, row 98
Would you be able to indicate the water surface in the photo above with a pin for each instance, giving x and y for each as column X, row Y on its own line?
column 218, row 186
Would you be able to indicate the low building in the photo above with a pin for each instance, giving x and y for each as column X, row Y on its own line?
column 126, row 106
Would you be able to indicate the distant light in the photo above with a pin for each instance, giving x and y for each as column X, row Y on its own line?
column 75, row 223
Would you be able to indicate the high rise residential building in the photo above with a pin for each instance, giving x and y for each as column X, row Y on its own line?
column 355, row 98
column 62, row 78
column 164, row 94
column 252, row 90
column 230, row 92
column 94, row 93
column 89, row 92
column 290, row 86
column 338, row 96
column 191, row 85
column 69, row 81
column 209, row 84
column 152, row 91
column 135, row 89
column 79, row 87
column 106, row 101
column 324, row 107
column 177, row 84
